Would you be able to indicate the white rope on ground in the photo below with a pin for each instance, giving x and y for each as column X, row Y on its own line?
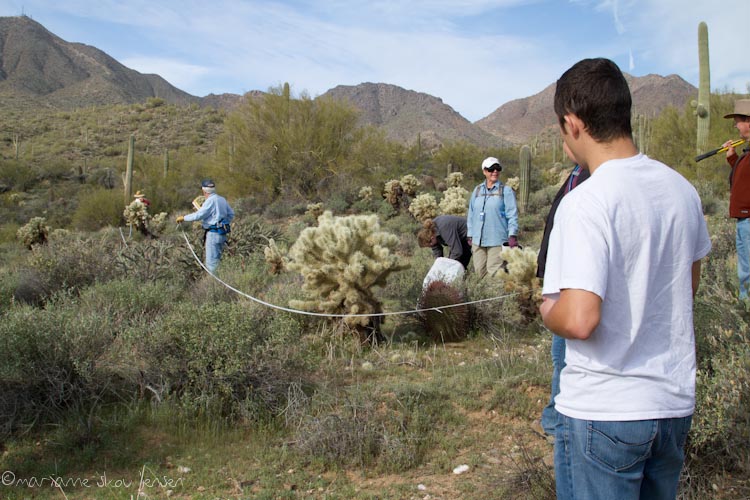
column 326, row 315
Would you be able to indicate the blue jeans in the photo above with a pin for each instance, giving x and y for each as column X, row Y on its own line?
column 743, row 255
column 619, row 460
column 214, row 247
column 549, row 414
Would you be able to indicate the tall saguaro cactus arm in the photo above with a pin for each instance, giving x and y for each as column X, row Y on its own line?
column 129, row 170
column 703, row 106
column 524, row 162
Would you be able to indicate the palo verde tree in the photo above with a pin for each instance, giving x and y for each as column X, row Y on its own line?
column 277, row 144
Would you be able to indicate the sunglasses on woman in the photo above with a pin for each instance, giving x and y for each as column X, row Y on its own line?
column 494, row 168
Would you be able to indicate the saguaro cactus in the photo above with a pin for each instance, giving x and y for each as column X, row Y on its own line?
column 166, row 162
column 129, row 171
column 524, row 163
column 703, row 106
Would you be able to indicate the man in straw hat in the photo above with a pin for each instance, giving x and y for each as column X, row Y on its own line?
column 215, row 215
column 739, row 192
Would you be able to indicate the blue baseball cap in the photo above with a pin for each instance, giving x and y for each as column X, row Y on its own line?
column 208, row 183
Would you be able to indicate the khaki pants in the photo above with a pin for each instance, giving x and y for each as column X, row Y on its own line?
column 487, row 260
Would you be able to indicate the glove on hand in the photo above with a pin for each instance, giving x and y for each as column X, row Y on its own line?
column 512, row 242
column 180, row 218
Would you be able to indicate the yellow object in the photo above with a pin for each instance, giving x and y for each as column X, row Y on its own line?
column 733, row 145
column 198, row 202
column 180, row 218
column 719, row 150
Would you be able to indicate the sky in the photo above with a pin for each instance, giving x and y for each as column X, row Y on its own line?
column 475, row 55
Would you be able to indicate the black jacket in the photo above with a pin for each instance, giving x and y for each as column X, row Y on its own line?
column 541, row 260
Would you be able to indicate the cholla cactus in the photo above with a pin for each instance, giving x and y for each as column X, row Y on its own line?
column 513, row 183
column 159, row 222
column 521, row 278
column 136, row 214
column 274, row 257
column 341, row 260
column 392, row 192
column 454, row 179
column 314, row 210
column 365, row 193
column 455, row 201
column 424, row 207
column 410, row 184
column 35, row 232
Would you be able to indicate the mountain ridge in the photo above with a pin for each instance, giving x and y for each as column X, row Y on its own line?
column 38, row 68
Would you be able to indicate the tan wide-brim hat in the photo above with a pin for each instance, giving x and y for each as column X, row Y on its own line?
column 741, row 108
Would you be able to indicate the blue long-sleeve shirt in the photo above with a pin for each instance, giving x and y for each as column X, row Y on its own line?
column 500, row 218
column 214, row 210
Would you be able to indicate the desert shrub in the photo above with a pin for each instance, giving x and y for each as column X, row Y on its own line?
column 495, row 318
column 356, row 433
column 229, row 361
column 54, row 366
column 126, row 301
column 30, row 288
column 284, row 207
column 72, row 263
column 17, row 176
column 529, row 222
column 8, row 232
column 98, row 208
column 156, row 259
column 722, row 383
column 385, row 210
column 339, row 202
column 250, row 234
column 541, row 200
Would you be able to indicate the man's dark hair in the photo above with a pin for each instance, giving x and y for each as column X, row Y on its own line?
column 595, row 91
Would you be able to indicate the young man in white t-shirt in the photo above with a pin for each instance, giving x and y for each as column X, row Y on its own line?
column 623, row 266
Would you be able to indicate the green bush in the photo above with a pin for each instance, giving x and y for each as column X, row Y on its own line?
column 98, row 208
column 17, row 175
column 54, row 366
column 229, row 361
column 72, row 263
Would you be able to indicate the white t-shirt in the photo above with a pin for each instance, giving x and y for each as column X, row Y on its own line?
column 630, row 234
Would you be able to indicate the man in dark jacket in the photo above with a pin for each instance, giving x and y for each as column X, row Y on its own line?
column 446, row 230
column 577, row 176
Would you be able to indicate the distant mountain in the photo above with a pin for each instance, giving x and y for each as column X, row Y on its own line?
column 39, row 67
column 520, row 120
column 406, row 115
